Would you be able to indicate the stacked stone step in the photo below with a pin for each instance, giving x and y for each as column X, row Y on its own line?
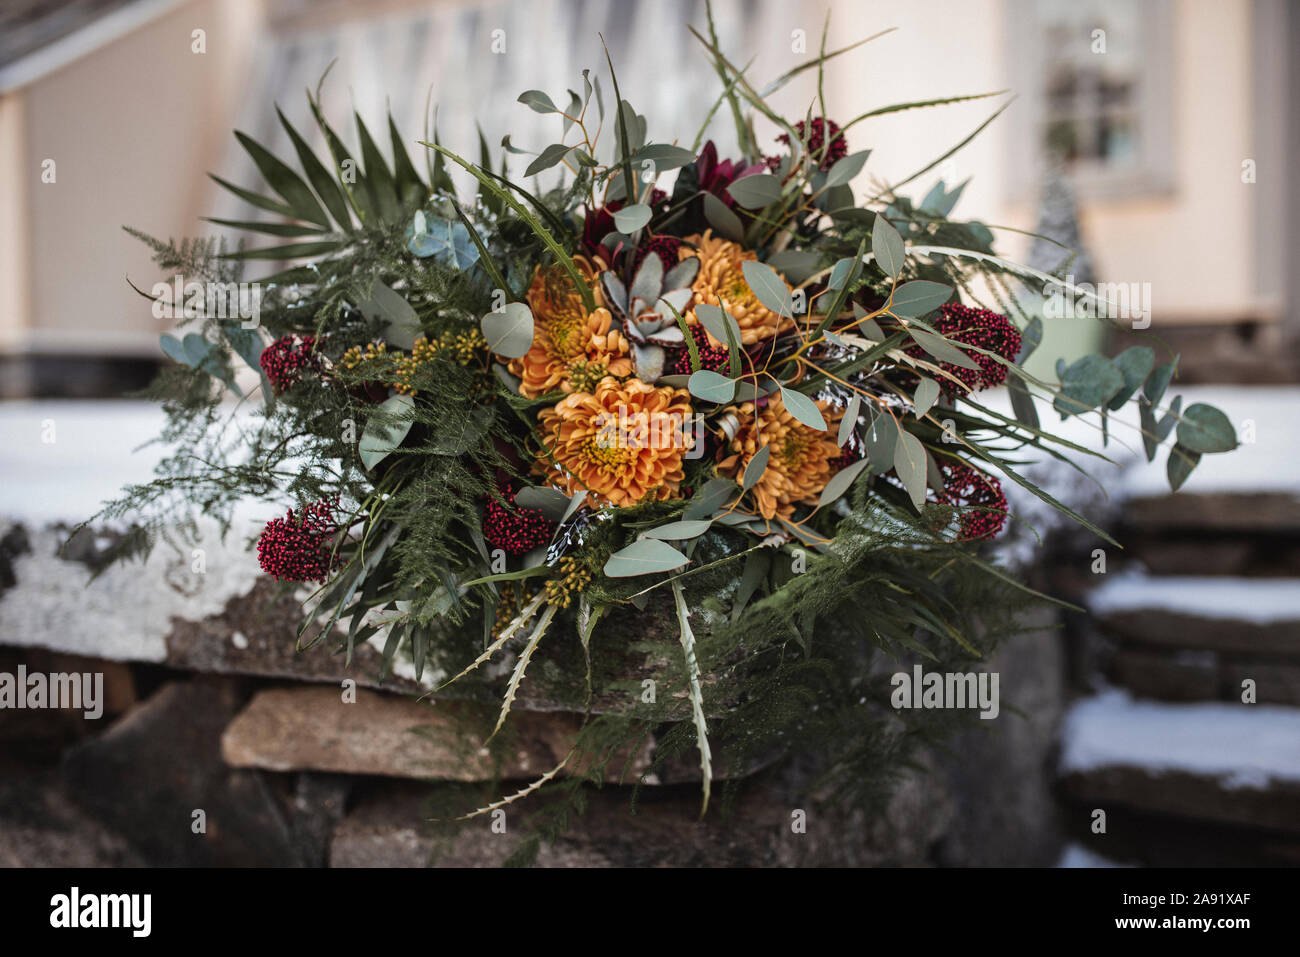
column 223, row 744
column 1193, row 751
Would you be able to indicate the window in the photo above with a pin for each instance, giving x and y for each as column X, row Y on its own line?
column 1095, row 82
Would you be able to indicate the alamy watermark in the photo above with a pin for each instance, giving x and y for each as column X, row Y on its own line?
column 661, row 431
column 933, row 689
column 1124, row 301
column 179, row 299
column 82, row 691
column 75, row 909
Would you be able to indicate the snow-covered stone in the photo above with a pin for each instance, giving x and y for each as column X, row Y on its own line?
column 1260, row 601
column 1242, row 746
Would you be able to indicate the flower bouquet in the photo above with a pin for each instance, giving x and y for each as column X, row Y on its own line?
column 726, row 412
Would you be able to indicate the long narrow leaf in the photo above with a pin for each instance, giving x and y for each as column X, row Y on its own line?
column 325, row 185
column 696, row 694
column 285, row 181
column 565, row 260
column 525, row 656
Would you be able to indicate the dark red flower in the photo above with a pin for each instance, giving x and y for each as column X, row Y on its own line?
column 715, row 359
column 297, row 548
column 514, row 528
column 822, row 130
column 714, row 176
column 980, row 498
column 599, row 223
column 983, row 329
column 284, row 359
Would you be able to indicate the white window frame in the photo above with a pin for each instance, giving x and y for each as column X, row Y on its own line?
column 1152, row 172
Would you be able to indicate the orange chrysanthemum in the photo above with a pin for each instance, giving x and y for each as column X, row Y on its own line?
column 572, row 350
column 799, row 464
column 623, row 442
column 553, row 297
column 721, row 281
column 572, row 356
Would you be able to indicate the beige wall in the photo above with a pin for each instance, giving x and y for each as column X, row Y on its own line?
column 131, row 127
column 134, row 125
column 1196, row 245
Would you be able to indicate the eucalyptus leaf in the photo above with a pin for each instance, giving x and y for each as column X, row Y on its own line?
column 803, row 408
column 1181, row 462
column 1022, row 403
column 664, row 156
column 717, row 322
column 881, row 440
column 840, row 482
column 711, row 387
column 1134, row 364
column 538, row 102
column 549, row 501
column 726, row 223
column 840, row 272
column 644, row 557
column 756, row 191
column 680, row 531
column 927, row 393
column 1206, row 429
column 918, row 297
column 846, row 168
column 509, row 331
column 716, row 493
column 1156, row 385
column 769, row 287
column 1170, row 419
column 631, row 218
column 909, row 463
column 1030, row 338
column 1086, row 384
column 887, row 246
column 756, row 467
column 795, row 264
column 942, row 349
column 1150, row 438
column 381, row 437
column 401, row 324
column 547, row 158
column 849, row 421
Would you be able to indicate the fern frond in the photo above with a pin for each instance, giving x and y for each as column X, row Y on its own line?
column 697, row 696
column 517, row 676
column 521, row 793
column 506, row 634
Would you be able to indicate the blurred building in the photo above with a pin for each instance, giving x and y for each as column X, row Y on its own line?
column 1173, row 119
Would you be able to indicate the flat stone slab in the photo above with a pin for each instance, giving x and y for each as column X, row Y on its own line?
column 148, row 774
column 40, row 827
column 391, row 829
column 1229, row 763
column 1232, row 615
column 1264, row 512
column 313, row 729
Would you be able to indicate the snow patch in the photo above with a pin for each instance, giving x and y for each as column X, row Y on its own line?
column 126, row 613
column 1260, row 601
column 1076, row 855
column 1244, row 746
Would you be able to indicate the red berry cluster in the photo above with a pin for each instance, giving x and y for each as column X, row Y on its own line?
column 297, row 548
column 664, row 246
column 713, row 358
column 980, row 496
column 283, row 359
column 822, row 130
column 980, row 328
column 515, row 529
